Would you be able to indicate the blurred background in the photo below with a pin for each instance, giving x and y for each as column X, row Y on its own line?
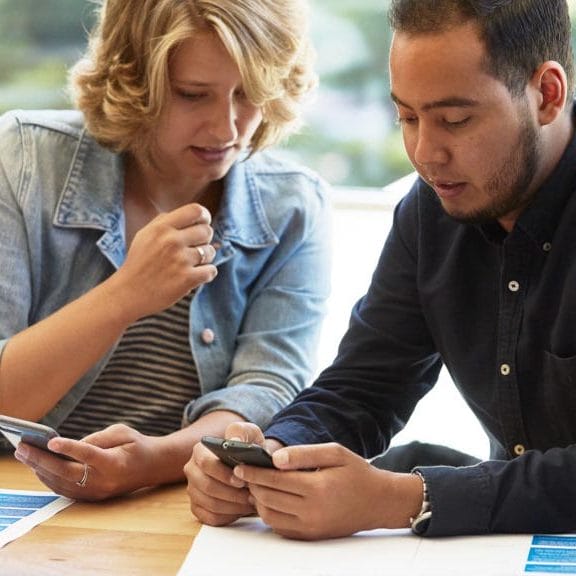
column 350, row 138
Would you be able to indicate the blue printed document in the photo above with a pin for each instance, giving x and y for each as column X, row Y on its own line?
column 552, row 554
column 249, row 548
column 21, row 510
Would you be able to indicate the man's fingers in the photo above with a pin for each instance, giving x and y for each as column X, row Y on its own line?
column 310, row 456
column 245, row 432
column 205, row 463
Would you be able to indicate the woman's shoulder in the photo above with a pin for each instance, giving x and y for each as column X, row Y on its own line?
column 272, row 164
column 281, row 179
column 67, row 122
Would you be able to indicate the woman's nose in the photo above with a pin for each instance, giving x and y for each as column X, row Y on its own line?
column 223, row 126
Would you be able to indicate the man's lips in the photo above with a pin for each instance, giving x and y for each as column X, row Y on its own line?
column 446, row 188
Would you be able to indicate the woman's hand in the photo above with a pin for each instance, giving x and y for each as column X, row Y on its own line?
column 168, row 258
column 119, row 460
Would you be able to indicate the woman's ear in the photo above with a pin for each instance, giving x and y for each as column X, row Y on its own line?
column 551, row 86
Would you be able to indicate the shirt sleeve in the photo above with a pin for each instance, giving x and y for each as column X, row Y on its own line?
column 15, row 275
column 532, row 493
column 386, row 361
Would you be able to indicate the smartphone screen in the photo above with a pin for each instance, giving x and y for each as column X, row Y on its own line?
column 233, row 452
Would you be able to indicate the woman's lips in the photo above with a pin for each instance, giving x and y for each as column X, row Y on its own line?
column 211, row 155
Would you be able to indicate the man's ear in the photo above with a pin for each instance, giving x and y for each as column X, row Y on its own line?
column 550, row 86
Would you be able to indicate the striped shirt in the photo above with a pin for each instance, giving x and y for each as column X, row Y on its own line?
column 147, row 382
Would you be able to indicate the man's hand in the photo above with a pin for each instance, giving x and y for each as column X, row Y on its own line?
column 326, row 491
column 217, row 496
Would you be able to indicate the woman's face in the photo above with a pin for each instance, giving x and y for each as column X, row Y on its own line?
column 208, row 120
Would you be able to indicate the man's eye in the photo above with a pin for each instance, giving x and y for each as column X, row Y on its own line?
column 456, row 123
column 406, row 120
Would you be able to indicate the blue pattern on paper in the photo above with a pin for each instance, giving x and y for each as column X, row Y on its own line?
column 551, row 568
column 13, row 507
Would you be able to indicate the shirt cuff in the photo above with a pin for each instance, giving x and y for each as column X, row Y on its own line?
column 459, row 498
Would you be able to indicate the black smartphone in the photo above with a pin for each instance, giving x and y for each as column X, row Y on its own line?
column 17, row 430
column 233, row 452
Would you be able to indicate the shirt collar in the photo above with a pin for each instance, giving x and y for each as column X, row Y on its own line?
column 540, row 219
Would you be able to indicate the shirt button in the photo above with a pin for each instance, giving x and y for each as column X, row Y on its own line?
column 546, row 246
column 207, row 336
column 513, row 286
column 519, row 449
column 505, row 369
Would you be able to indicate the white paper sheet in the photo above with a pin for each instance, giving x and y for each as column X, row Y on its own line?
column 21, row 510
column 248, row 547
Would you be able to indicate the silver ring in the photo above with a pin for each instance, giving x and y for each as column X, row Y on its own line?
column 82, row 482
column 202, row 254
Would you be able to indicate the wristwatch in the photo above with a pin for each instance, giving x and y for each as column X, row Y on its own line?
column 419, row 524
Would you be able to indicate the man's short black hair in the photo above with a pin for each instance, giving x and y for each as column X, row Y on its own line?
column 519, row 35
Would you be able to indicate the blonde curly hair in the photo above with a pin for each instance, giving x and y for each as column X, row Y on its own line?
column 122, row 83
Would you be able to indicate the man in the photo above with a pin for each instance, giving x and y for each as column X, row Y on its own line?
column 478, row 273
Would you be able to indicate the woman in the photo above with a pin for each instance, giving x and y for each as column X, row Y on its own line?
column 120, row 301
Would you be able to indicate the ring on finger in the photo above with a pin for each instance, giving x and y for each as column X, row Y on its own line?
column 202, row 254
column 83, row 481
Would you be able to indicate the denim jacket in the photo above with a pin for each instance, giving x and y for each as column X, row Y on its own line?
column 253, row 330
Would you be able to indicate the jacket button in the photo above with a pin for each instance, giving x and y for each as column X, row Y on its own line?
column 207, row 336
column 519, row 449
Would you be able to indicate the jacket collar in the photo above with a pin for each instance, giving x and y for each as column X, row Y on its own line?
column 242, row 218
column 92, row 193
column 92, row 198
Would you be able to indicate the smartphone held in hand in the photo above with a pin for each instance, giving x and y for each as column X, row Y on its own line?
column 17, row 430
column 234, row 452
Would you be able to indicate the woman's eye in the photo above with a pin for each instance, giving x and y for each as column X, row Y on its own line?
column 193, row 96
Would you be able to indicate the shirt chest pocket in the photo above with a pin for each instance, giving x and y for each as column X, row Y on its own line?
column 559, row 396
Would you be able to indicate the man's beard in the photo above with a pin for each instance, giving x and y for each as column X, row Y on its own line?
column 510, row 187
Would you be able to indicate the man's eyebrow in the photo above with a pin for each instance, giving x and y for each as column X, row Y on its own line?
column 444, row 103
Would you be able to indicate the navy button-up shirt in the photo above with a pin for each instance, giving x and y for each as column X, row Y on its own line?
column 499, row 310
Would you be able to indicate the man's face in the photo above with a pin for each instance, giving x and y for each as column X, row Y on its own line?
column 465, row 134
